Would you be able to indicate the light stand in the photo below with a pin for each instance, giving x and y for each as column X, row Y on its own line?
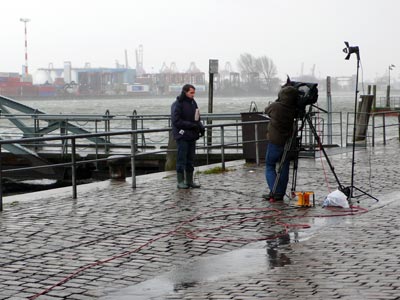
column 348, row 191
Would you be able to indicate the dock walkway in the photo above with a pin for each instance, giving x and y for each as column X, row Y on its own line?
column 222, row 241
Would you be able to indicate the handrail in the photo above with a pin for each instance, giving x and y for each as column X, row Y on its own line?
column 377, row 125
column 73, row 164
column 384, row 114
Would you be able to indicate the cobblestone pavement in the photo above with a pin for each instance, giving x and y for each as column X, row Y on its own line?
column 222, row 241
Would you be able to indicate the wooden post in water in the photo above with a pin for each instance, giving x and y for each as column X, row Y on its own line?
column 170, row 162
column 364, row 109
column 388, row 96
column 374, row 94
column 213, row 68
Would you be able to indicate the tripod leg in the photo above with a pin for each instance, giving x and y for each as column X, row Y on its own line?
column 318, row 139
column 363, row 193
column 282, row 163
column 295, row 166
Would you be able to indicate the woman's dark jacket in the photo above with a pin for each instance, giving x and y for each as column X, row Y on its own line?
column 184, row 126
column 282, row 113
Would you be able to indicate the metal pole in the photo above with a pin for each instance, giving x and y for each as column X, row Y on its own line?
column 26, row 44
column 134, row 126
column 256, row 137
column 73, row 169
column 329, row 104
column 210, row 107
column 97, row 145
column 222, row 148
column 391, row 66
column 398, row 118
column 1, row 180
column 384, row 128
column 373, row 130
column 107, row 129
column 133, row 153
column 354, row 132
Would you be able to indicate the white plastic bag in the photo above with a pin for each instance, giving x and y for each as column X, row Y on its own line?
column 336, row 198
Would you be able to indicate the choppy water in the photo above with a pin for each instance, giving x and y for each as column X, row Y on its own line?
column 340, row 102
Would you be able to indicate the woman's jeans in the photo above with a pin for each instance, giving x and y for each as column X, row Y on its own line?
column 272, row 160
column 185, row 157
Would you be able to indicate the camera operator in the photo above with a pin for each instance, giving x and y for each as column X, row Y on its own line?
column 282, row 113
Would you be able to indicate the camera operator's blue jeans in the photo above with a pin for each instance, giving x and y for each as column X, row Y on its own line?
column 272, row 160
column 185, row 157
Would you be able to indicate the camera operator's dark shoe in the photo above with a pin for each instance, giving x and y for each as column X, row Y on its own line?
column 276, row 199
column 273, row 198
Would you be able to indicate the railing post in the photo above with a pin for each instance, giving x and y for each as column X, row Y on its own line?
column 347, row 127
column 222, row 148
column 237, row 134
column 398, row 118
column 107, row 129
column 134, row 125
column 96, row 146
column 1, row 180
column 256, row 138
column 64, row 143
column 73, row 168
column 329, row 108
column 384, row 128
column 133, row 153
column 373, row 130
column 35, row 130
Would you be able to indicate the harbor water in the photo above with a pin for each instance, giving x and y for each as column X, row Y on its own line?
column 161, row 105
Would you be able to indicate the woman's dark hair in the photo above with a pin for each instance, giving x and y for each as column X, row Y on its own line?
column 185, row 89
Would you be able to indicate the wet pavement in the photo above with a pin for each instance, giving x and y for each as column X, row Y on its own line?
column 222, row 241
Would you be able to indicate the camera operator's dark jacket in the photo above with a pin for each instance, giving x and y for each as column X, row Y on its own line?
column 184, row 125
column 282, row 113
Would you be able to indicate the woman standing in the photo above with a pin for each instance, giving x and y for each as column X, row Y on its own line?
column 186, row 128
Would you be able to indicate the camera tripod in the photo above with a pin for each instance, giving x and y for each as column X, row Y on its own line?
column 293, row 147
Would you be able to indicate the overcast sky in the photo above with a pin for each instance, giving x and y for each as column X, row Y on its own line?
column 290, row 32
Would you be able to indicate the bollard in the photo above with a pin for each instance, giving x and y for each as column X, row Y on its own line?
column 117, row 166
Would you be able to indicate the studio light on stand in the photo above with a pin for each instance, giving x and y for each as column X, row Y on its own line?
column 349, row 191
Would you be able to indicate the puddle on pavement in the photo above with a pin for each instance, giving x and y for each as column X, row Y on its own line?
column 254, row 258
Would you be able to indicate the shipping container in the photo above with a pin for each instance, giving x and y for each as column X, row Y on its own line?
column 9, row 74
column 175, row 88
column 29, row 90
column 46, row 88
column 14, row 79
column 47, row 93
column 137, row 88
column 10, row 91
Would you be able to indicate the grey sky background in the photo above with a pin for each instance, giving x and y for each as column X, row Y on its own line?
column 290, row 32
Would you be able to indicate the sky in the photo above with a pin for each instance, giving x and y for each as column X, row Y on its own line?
column 292, row 33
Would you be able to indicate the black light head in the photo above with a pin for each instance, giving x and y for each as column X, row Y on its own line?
column 350, row 50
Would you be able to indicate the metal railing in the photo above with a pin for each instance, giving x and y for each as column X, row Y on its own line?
column 388, row 123
column 39, row 125
column 222, row 145
column 394, row 102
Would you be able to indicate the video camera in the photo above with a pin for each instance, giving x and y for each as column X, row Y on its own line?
column 308, row 93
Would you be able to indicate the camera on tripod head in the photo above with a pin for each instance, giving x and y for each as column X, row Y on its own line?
column 307, row 95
